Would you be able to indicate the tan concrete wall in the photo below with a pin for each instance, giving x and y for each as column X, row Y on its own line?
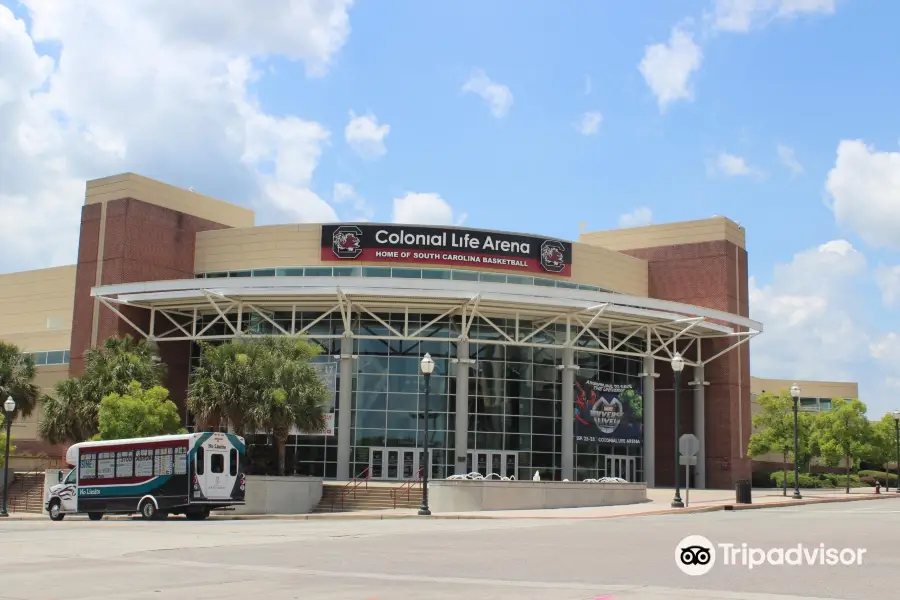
column 668, row 234
column 130, row 185
column 36, row 308
column 300, row 246
column 808, row 389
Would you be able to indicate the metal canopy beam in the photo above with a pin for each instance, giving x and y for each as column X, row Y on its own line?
column 602, row 328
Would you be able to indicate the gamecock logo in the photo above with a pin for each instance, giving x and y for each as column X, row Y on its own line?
column 553, row 257
column 346, row 242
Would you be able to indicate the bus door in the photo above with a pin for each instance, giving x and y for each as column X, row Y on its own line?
column 220, row 470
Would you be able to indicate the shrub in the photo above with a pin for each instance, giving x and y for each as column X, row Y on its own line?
column 880, row 476
column 806, row 480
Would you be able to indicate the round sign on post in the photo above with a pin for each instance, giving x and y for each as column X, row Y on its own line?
column 688, row 444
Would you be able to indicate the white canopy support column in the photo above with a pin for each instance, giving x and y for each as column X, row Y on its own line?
column 699, row 385
column 649, row 385
column 568, row 368
column 345, row 403
column 461, row 449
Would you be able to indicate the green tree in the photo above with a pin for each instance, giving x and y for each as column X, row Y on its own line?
column 138, row 413
column 71, row 414
column 291, row 393
column 883, row 444
column 774, row 431
column 259, row 384
column 17, row 371
column 843, row 434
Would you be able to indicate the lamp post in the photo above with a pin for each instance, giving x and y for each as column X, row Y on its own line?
column 9, row 407
column 897, row 429
column 795, row 394
column 677, row 368
column 427, row 367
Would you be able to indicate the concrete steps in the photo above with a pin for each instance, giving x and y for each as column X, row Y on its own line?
column 26, row 493
column 373, row 497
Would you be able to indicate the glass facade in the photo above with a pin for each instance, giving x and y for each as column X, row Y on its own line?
column 402, row 273
column 514, row 397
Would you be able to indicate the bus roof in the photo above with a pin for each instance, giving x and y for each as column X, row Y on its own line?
column 71, row 456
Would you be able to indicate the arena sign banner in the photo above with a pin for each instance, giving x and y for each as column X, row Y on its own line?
column 446, row 246
column 608, row 413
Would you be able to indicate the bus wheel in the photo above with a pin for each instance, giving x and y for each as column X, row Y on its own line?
column 95, row 516
column 148, row 510
column 56, row 513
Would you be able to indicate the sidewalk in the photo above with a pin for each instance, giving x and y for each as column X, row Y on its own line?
column 658, row 503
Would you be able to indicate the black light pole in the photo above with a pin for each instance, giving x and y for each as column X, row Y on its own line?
column 795, row 394
column 427, row 368
column 677, row 367
column 9, row 407
column 897, row 428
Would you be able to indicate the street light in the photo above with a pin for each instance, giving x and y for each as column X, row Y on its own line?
column 795, row 394
column 897, row 428
column 677, row 367
column 427, row 367
column 9, row 407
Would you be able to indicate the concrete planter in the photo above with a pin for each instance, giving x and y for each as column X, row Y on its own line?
column 272, row 495
column 474, row 495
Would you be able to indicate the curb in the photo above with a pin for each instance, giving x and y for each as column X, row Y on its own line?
column 474, row 516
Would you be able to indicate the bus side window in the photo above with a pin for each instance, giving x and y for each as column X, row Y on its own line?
column 233, row 460
column 70, row 478
column 201, row 462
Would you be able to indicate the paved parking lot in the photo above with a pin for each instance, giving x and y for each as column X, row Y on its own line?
column 631, row 558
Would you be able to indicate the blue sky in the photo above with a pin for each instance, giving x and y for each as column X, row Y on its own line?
column 805, row 80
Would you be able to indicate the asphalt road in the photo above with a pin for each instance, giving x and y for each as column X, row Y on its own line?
column 631, row 558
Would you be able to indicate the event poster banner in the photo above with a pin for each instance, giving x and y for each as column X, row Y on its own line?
column 446, row 246
column 608, row 413
column 327, row 372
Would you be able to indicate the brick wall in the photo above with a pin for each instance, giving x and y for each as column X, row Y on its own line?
column 143, row 242
column 711, row 275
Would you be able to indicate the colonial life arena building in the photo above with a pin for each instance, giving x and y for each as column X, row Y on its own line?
column 551, row 355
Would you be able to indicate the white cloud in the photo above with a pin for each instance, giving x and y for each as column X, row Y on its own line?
column 590, row 122
column 365, row 136
column 740, row 16
column 888, row 279
column 344, row 193
column 639, row 217
column 667, row 68
column 156, row 87
column 865, row 188
column 789, row 159
column 425, row 209
column 809, row 312
column 496, row 95
column 730, row 165
column 816, row 324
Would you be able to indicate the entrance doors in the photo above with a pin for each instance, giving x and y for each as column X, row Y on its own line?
column 397, row 464
column 624, row 467
column 504, row 464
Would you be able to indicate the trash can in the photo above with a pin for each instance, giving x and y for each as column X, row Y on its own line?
column 743, row 492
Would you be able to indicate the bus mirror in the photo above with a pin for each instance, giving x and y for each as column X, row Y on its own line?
column 59, row 477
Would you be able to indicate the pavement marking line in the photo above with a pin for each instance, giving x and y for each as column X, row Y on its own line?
column 628, row 590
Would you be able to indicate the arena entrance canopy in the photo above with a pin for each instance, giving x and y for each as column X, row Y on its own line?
column 586, row 321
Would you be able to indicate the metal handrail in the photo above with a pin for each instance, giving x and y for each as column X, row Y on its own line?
column 362, row 478
column 42, row 468
column 407, row 485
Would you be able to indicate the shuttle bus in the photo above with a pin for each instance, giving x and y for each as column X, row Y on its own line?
column 188, row 474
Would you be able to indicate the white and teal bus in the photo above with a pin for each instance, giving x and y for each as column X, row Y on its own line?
column 188, row 474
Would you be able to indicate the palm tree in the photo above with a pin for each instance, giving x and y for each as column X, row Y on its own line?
column 223, row 386
column 17, row 372
column 290, row 394
column 71, row 415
